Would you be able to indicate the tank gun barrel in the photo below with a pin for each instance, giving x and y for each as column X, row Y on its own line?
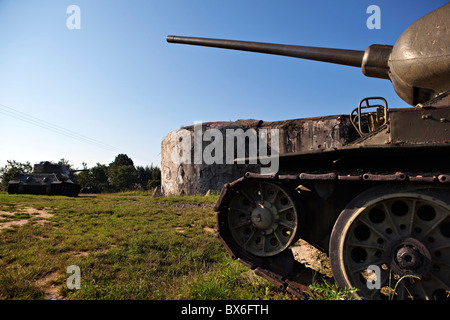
column 418, row 64
column 373, row 61
column 339, row 56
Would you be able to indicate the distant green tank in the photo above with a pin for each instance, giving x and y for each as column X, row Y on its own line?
column 378, row 206
column 46, row 178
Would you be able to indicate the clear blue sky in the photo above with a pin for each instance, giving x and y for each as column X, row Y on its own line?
column 116, row 86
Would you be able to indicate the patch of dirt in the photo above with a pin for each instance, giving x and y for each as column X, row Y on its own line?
column 182, row 229
column 46, row 283
column 9, row 224
column 210, row 230
column 312, row 258
column 9, row 219
column 179, row 229
column 79, row 253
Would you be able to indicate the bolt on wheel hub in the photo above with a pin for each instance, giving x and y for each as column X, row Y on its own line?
column 410, row 257
column 265, row 218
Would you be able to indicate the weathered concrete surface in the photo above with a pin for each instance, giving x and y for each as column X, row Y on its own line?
column 294, row 136
column 191, row 178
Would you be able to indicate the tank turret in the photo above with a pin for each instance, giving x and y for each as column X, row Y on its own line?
column 418, row 64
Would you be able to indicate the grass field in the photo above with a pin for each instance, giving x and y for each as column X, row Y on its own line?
column 127, row 246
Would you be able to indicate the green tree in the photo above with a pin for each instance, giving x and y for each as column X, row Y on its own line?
column 122, row 160
column 155, row 179
column 93, row 180
column 99, row 178
column 65, row 162
column 122, row 173
column 143, row 175
column 148, row 177
column 83, row 178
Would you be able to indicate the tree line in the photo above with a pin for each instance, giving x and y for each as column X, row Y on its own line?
column 119, row 175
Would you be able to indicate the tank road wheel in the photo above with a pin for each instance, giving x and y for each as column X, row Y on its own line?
column 262, row 218
column 394, row 244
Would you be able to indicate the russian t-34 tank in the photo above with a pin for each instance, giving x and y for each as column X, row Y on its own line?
column 379, row 206
column 46, row 178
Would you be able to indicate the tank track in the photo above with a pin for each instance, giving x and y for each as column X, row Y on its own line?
column 282, row 269
column 65, row 189
column 59, row 188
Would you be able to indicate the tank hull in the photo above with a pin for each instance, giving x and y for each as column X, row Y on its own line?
column 407, row 159
column 320, row 199
column 46, row 179
column 62, row 188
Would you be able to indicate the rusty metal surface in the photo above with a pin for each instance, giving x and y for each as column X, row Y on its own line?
column 321, row 176
column 398, row 176
column 428, row 126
